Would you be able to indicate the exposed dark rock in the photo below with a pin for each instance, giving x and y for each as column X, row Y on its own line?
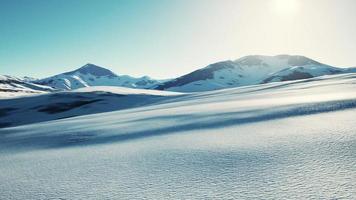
column 295, row 75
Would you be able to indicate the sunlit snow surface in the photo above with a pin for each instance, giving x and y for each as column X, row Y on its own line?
column 292, row 140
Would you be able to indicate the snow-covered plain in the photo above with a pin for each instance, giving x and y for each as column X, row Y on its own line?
column 285, row 140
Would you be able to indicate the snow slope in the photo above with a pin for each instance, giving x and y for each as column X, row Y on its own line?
column 285, row 140
column 11, row 86
column 249, row 70
column 302, row 72
column 78, row 102
column 93, row 75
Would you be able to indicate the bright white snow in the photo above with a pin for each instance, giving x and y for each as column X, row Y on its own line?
column 250, row 70
column 11, row 87
column 92, row 75
column 289, row 140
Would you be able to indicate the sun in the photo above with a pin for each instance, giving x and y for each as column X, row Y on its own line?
column 286, row 7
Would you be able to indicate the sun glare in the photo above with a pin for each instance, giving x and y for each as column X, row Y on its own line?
column 286, row 7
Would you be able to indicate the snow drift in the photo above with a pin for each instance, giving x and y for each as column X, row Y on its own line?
column 281, row 140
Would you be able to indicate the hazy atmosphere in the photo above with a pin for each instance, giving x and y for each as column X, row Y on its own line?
column 167, row 38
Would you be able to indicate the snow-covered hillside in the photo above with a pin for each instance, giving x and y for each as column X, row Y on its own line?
column 78, row 102
column 93, row 75
column 302, row 72
column 249, row 70
column 11, row 86
column 283, row 140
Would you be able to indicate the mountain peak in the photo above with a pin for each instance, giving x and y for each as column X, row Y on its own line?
column 249, row 70
column 94, row 70
column 290, row 60
column 94, row 75
column 90, row 65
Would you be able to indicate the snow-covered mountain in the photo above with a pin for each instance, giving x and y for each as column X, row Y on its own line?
column 93, row 75
column 249, row 70
column 283, row 140
column 11, row 86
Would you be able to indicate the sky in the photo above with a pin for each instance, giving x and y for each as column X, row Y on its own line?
column 168, row 38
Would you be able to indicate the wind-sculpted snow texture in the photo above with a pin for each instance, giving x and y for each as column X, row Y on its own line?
column 283, row 140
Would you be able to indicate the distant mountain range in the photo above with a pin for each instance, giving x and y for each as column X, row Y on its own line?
column 12, row 86
column 93, row 75
column 249, row 70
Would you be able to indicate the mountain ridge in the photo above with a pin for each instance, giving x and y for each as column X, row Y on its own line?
column 90, row 68
column 247, row 70
column 94, row 75
column 11, row 86
column 250, row 70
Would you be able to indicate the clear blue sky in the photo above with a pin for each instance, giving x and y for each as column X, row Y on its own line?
column 167, row 38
